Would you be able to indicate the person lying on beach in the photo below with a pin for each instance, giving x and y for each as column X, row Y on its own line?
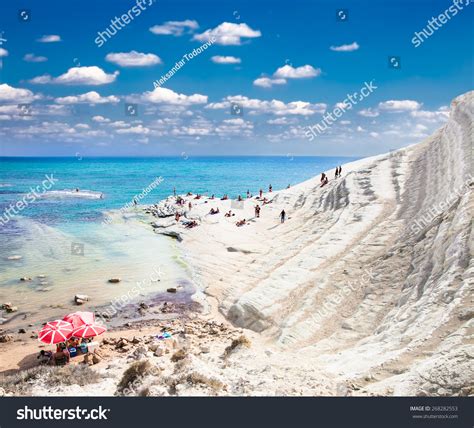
column 198, row 196
column 323, row 176
column 241, row 222
column 44, row 357
column 214, row 211
column 324, row 182
column 229, row 214
column 239, row 198
column 212, row 196
column 177, row 216
column 189, row 194
column 191, row 224
column 266, row 201
column 224, row 198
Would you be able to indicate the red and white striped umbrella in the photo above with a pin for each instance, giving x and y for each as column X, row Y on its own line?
column 55, row 332
column 80, row 318
column 89, row 330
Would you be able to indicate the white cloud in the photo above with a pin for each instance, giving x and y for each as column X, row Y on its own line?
column 266, row 82
column 218, row 59
column 82, row 126
column 16, row 95
column 174, row 28
column 52, row 38
column 368, row 112
column 119, row 124
column 289, row 72
column 228, row 33
column 100, row 119
column 400, row 105
column 345, row 48
column 167, row 96
column 345, row 122
column 276, row 107
column 33, row 58
column 431, row 116
column 91, row 97
column 139, row 129
column 3, row 52
column 133, row 59
column 374, row 134
column 360, row 129
column 281, row 121
column 92, row 76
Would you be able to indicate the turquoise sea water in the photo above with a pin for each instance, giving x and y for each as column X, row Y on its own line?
column 61, row 234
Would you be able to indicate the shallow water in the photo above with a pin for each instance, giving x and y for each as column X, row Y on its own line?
column 68, row 246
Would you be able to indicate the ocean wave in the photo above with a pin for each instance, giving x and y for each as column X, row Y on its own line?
column 84, row 194
column 5, row 185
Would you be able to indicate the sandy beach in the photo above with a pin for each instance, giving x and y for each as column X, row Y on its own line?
column 365, row 289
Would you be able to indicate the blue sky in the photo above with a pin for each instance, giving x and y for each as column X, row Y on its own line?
column 285, row 64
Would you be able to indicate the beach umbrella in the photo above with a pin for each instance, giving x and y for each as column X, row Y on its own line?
column 55, row 332
column 80, row 318
column 89, row 330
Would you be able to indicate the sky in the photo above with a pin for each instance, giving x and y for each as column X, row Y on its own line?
column 263, row 74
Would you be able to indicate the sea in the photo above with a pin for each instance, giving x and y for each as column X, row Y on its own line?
column 75, row 231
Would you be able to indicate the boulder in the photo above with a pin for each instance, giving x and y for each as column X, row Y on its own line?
column 80, row 299
column 25, row 278
column 4, row 338
column 22, row 331
column 171, row 290
column 466, row 314
column 114, row 280
column 8, row 307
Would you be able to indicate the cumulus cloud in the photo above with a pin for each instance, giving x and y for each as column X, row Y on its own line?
column 267, row 82
column 167, row 96
column 16, row 95
column 51, row 38
column 92, row 76
column 276, row 107
column 3, row 52
column 289, row 72
column 345, row 48
column 100, row 119
column 174, row 28
column 281, row 121
column 133, row 59
column 218, row 59
column 368, row 112
column 431, row 116
column 399, row 105
column 139, row 129
column 91, row 97
column 33, row 58
column 228, row 33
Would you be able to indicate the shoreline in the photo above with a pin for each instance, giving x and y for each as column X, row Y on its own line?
column 339, row 299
